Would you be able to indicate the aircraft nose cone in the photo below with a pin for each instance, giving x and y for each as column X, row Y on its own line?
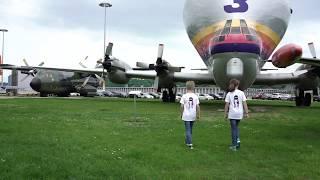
column 36, row 84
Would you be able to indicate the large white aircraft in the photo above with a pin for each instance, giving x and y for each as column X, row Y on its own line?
column 234, row 39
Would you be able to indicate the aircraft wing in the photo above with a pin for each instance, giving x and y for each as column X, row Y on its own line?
column 310, row 61
column 13, row 67
column 279, row 78
column 202, row 78
column 26, row 68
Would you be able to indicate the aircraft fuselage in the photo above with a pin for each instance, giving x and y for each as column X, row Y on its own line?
column 59, row 82
column 235, row 37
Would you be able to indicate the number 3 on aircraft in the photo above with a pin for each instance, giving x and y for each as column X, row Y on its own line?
column 242, row 6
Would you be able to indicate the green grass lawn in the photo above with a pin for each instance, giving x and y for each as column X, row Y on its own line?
column 104, row 138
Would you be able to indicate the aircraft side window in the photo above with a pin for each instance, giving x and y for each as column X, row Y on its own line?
column 251, row 38
column 221, row 38
column 235, row 30
column 253, row 32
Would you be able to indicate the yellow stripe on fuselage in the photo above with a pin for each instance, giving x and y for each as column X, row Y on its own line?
column 236, row 23
column 265, row 30
column 207, row 31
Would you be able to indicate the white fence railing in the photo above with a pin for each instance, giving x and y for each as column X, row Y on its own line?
column 204, row 90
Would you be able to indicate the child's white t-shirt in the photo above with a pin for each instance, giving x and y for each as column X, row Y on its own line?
column 190, row 102
column 235, row 100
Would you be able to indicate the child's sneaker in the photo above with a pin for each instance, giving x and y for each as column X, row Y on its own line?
column 233, row 148
column 190, row 146
column 238, row 143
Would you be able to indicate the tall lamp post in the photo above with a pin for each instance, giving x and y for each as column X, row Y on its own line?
column 2, row 54
column 105, row 5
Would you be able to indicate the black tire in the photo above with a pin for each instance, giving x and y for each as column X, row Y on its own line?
column 299, row 98
column 43, row 94
column 307, row 100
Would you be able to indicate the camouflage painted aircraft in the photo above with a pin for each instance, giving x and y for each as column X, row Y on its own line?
column 234, row 38
column 60, row 83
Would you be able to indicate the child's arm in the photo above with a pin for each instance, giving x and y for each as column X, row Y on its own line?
column 181, row 110
column 226, row 109
column 198, row 112
column 246, row 110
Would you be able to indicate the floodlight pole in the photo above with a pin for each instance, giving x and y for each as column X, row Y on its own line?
column 2, row 54
column 105, row 6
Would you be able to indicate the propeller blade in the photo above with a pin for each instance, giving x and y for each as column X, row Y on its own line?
column 41, row 64
column 109, row 49
column 99, row 62
column 160, row 51
column 82, row 65
column 24, row 78
column 85, row 82
column 98, row 77
column 156, row 83
column 25, row 62
column 142, row 65
column 102, row 82
column 312, row 50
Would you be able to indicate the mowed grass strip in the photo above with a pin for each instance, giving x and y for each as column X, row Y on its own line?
column 105, row 138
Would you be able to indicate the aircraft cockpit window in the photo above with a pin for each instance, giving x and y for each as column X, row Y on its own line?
column 228, row 23
column 226, row 31
column 245, row 30
column 235, row 30
column 243, row 23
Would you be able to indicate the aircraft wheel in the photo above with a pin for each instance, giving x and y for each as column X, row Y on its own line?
column 172, row 96
column 307, row 100
column 43, row 94
column 299, row 98
column 63, row 95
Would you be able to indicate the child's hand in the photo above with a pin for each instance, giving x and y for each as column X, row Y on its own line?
column 246, row 115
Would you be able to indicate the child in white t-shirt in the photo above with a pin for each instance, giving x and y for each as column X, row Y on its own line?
column 235, row 108
column 190, row 111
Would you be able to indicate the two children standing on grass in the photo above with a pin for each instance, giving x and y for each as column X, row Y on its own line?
column 235, row 108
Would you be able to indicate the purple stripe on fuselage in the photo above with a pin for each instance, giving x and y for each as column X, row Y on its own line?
column 235, row 47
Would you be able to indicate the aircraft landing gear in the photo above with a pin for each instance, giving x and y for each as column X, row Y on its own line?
column 172, row 95
column 43, row 94
column 303, row 99
column 165, row 96
column 169, row 97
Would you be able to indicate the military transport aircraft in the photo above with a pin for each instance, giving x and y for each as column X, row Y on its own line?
column 57, row 82
column 234, row 40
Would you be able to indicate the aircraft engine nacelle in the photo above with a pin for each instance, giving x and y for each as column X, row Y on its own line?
column 118, row 76
column 286, row 56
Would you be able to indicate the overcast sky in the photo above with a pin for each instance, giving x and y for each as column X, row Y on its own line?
column 61, row 33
